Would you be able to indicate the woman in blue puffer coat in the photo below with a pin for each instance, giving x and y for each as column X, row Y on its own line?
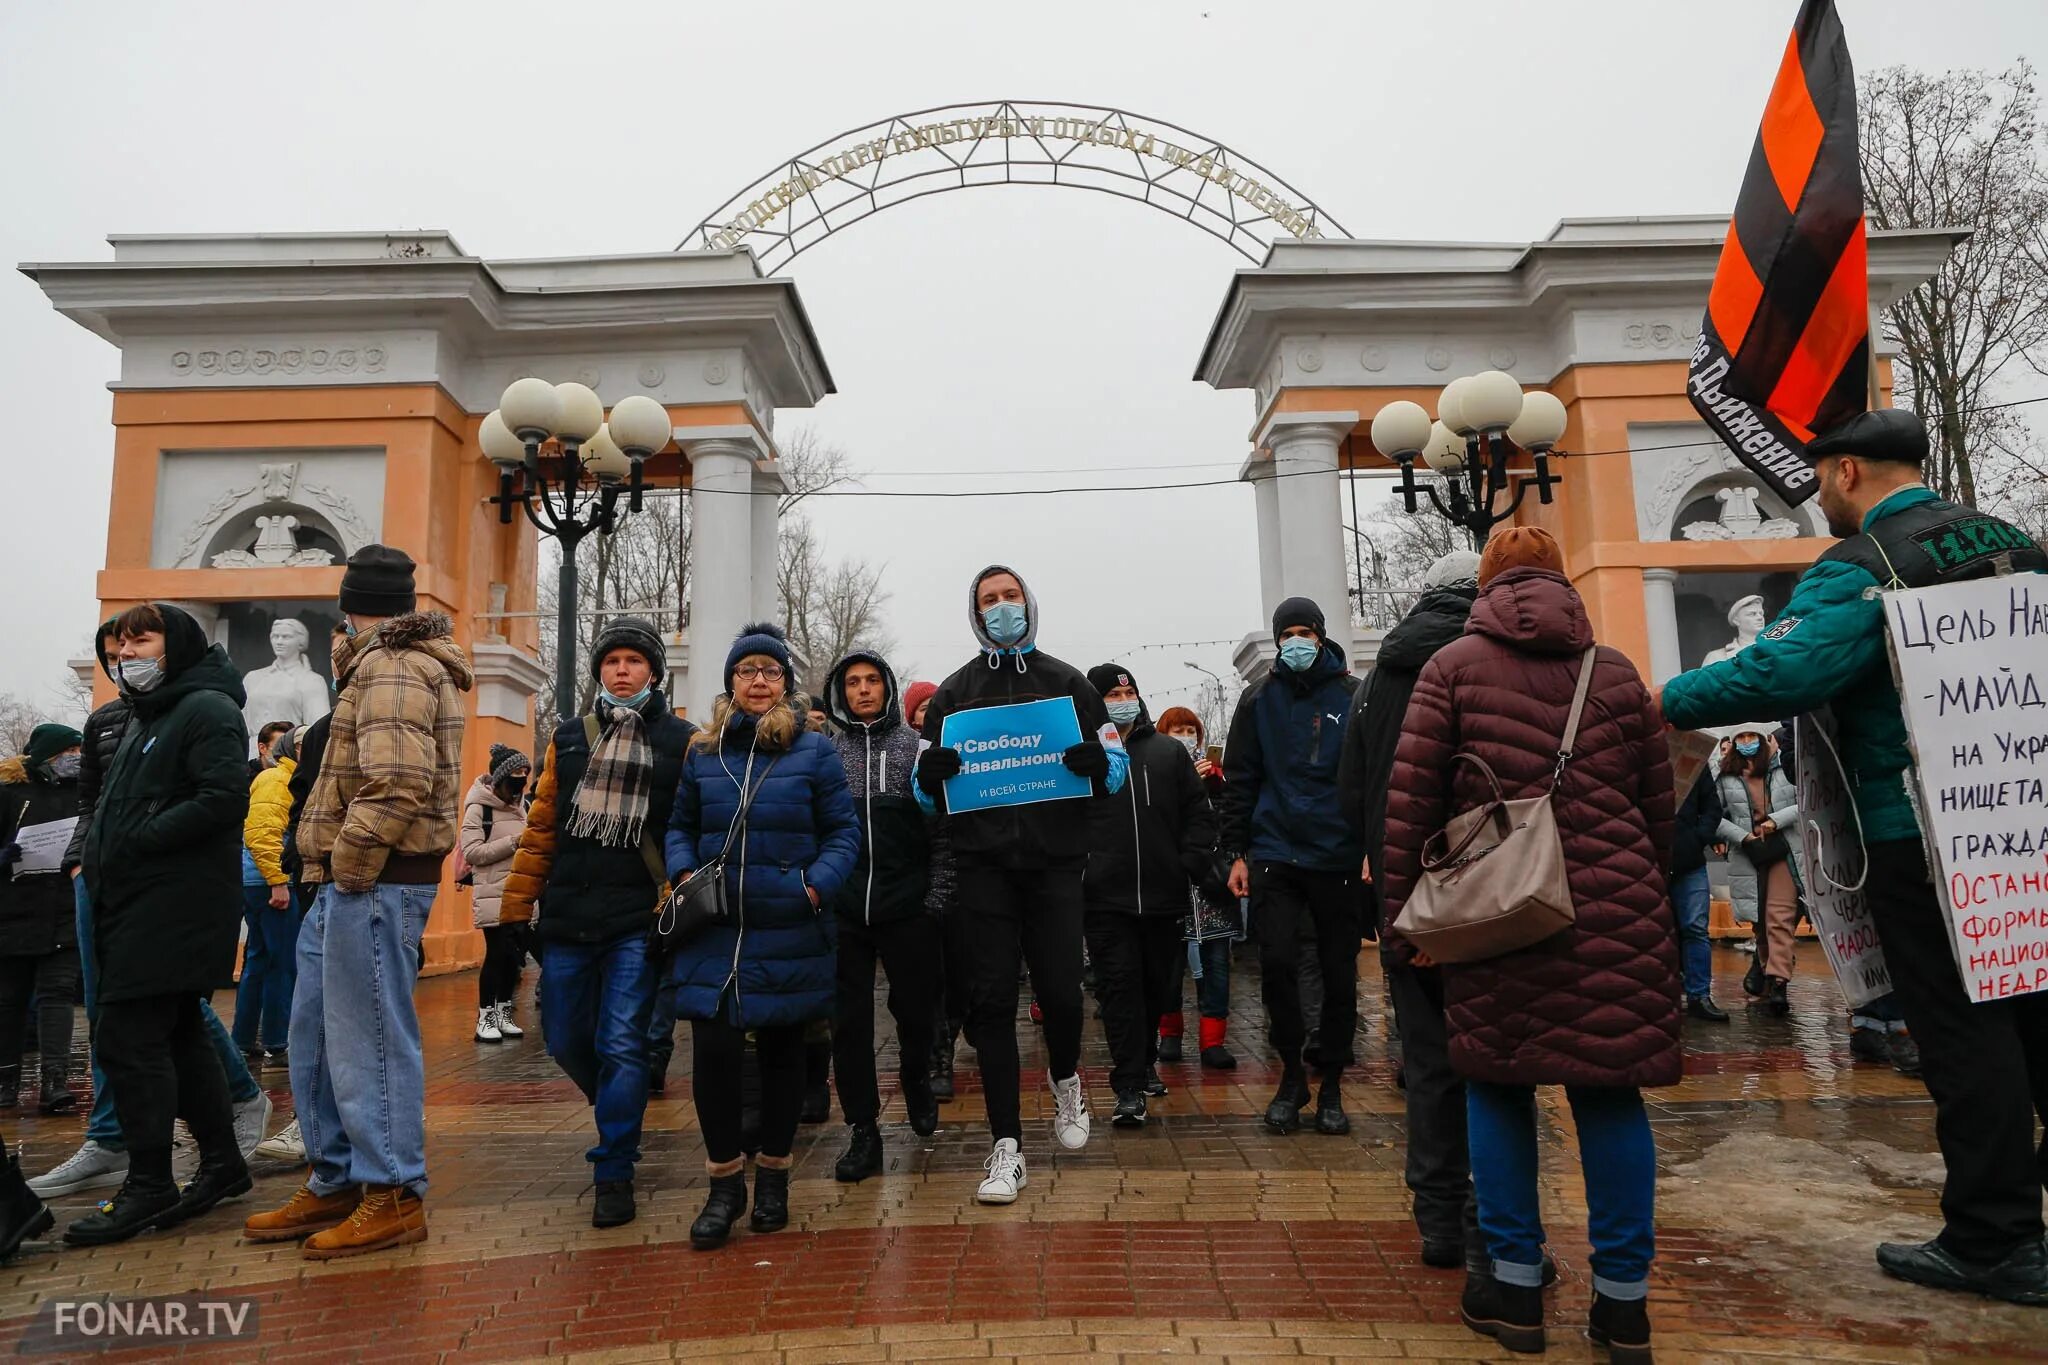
column 771, row 972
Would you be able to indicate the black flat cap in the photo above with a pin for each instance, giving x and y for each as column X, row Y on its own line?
column 1880, row 434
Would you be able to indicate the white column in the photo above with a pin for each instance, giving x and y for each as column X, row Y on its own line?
column 765, row 598
column 721, row 560
column 1311, row 530
column 1266, row 494
column 1660, row 611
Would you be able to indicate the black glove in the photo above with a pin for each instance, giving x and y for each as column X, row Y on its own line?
column 934, row 766
column 9, row 856
column 1087, row 759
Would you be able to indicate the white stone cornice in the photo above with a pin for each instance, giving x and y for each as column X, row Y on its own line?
column 743, row 441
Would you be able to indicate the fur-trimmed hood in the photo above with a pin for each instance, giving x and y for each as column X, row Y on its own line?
column 429, row 632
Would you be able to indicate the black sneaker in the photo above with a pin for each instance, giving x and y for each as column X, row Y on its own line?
column 2021, row 1277
column 218, row 1178
column 1905, row 1053
column 1511, row 1314
column 1153, row 1085
column 1870, row 1045
column 140, row 1203
column 1702, row 1007
column 614, row 1205
column 1129, row 1111
column 1623, row 1327
column 863, row 1155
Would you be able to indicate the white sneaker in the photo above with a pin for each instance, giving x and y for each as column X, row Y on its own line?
column 285, row 1144
column 502, row 1014
column 487, row 1025
column 251, row 1118
column 1005, row 1167
column 1070, row 1119
column 88, row 1168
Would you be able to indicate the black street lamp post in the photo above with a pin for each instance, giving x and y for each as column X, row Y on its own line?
column 1483, row 420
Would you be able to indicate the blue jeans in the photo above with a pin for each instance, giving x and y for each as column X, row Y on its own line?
column 596, row 999
column 1690, row 902
column 103, row 1126
column 1882, row 1014
column 1620, row 1164
column 358, row 1078
column 270, row 964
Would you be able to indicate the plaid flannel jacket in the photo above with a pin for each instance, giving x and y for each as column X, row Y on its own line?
column 390, row 781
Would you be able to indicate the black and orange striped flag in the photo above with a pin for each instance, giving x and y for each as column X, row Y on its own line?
column 1784, row 351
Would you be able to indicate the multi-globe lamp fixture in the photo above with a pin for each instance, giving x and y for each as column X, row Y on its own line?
column 578, row 493
column 1482, row 421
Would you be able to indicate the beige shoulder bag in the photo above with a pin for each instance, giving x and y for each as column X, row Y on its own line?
column 1493, row 879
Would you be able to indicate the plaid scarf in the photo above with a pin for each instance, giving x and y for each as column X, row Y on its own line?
column 611, row 800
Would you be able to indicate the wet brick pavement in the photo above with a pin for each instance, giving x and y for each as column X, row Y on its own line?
column 1781, row 1162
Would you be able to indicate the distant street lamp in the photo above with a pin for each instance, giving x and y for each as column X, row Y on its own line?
column 1483, row 420
column 1222, row 697
column 575, row 492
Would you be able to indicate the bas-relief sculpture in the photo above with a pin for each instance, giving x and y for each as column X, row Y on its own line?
column 288, row 688
column 277, row 547
column 1739, row 520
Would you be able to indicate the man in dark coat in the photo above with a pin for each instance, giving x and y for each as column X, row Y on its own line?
column 1698, row 830
column 1439, row 1168
column 163, row 868
column 1019, row 870
column 1144, row 849
column 1296, row 854
column 882, row 913
column 38, row 929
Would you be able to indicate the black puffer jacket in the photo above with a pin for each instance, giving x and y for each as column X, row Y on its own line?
column 893, row 873
column 37, row 912
column 103, row 731
column 163, row 863
column 312, row 747
column 1147, row 843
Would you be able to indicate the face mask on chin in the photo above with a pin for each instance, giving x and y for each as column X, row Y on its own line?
column 1299, row 654
column 628, row 703
column 1005, row 623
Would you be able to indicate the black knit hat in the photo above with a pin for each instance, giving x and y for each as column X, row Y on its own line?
column 763, row 639
column 1298, row 611
column 630, row 632
column 1102, row 677
column 1880, row 434
column 506, row 760
column 378, row 582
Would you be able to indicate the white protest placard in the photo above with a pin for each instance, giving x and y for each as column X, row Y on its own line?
column 1972, row 664
column 1832, row 849
column 42, row 846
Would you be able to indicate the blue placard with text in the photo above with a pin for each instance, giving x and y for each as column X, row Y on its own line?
column 1012, row 755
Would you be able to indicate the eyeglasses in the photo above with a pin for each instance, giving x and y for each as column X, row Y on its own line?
column 765, row 672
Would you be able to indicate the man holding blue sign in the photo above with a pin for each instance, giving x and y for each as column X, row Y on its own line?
column 1019, row 743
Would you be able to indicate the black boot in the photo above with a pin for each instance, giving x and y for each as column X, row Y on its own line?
column 1331, row 1120
column 1753, row 979
column 1703, row 1008
column 863, row 1157
column 1511, row 1314
column 1169, row 1047
column 57, row 1096
column 141, row 1202
column 1777, row 1001
column 614, row 1206
column 22, row 1215
column 10, row 1087
column 771, row 1198
column 920, row 1104
column 1623, row 1327
column 1283, row 1115
column 817, row 1083
column 1868, row 1045
column 223, row 1175
column 942, row 1070
column 723, row 1206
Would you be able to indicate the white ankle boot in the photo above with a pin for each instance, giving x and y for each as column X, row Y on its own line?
column 504, row 1020
column 487, row 1025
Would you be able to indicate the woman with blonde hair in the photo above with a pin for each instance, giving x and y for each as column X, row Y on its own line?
column 768, row 798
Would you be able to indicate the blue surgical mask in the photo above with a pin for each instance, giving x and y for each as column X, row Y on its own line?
column 1299, row 654
column 1124, row 712
column 348, row 628
column 1749, row 748
column 139, row 675
column 1005, row 623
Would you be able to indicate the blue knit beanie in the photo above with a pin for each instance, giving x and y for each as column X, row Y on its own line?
column 759, row 638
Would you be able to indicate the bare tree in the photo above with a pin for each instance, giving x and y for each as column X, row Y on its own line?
column 1964, row 149
column 20, row 715
column 1388, row 551
column 829, row 609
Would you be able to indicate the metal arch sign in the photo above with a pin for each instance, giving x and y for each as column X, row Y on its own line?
column 1010, row 142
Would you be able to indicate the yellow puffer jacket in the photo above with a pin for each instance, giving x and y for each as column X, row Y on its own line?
column 270, row 810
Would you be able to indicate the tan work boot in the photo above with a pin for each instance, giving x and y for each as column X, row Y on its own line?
column 304, row 1214
column 387, row 1217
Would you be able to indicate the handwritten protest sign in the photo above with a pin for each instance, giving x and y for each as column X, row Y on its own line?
column 1833, row 861
column 1972, row 663
column 42, row 846
column 1011, row 755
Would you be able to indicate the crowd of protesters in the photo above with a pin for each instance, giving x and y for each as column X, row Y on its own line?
column 749, row 877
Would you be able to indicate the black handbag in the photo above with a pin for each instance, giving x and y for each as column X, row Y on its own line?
column 1768, row 851
column 699, row 901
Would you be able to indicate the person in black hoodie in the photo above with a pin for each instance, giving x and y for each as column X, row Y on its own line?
column 1439, row 1168
column 1019, row 870
column 1144, row 848
column 164, row 869
column 1296, row 854
column 589, row 863
column 882, row 913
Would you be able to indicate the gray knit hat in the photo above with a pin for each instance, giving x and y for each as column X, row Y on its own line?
column 636, row 633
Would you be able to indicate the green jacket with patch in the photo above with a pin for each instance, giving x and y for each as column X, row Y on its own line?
column 1828, row 645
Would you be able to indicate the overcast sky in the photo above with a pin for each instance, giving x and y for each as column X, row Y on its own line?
column 979, row 333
